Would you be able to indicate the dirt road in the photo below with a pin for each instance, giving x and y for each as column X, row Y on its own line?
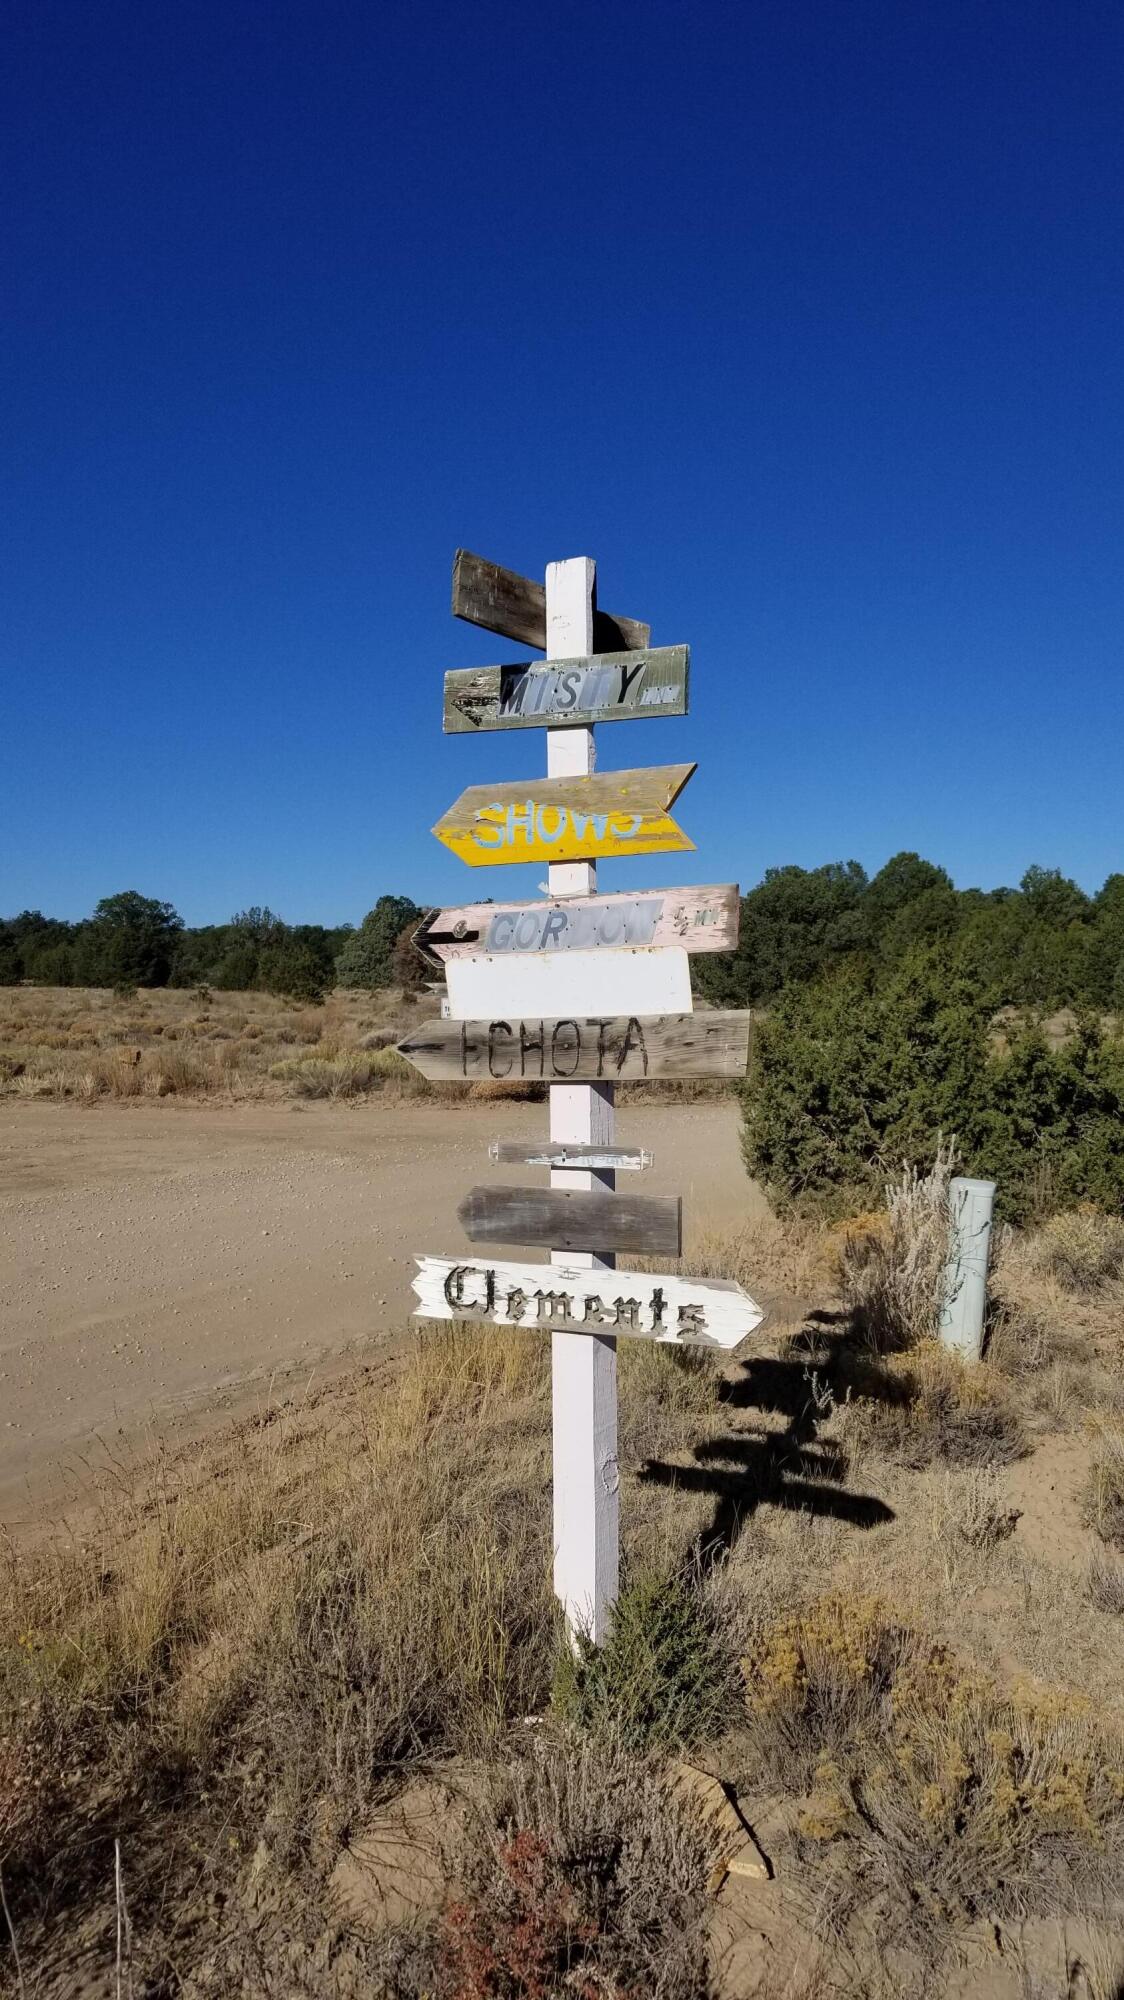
column 159, row 1265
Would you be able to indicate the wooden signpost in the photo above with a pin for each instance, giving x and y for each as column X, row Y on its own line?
column 581, row 818
column 697, row 919
column 581, row 991
column 567, row 1295
column 564, row 1220
column 609, row 687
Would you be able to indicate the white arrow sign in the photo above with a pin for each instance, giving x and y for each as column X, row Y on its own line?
column 572, row 1298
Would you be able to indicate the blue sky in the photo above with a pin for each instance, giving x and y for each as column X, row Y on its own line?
column 804, row 320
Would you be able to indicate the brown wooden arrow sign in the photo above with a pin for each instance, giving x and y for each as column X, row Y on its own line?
column 515, row 606
column 607, row 1048
column 561, row 1219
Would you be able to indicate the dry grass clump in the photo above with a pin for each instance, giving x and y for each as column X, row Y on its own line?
column 261, row 1636
column 1104, row 1496
column 1104, row 1583
column 930, row 1406
column 786, row 1257
column 978, row 1510
column 891, row 1267
column 925, row 1776
column 586, row 1877
column 1082, row 1249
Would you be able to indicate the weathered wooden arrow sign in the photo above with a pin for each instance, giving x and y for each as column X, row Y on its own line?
column 568, row 819
column 608, row 687
column 697, row 919
column 607, row 1048
column 568, row 1153
column 564, row 1219
column 687, row 1312
column 579, row 982
column 515, row 606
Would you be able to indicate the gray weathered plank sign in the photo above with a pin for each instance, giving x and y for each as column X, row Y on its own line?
column 563, row 1220
column 561, row 1297
column 568, row 819
column 608, row 687
column 704, row 919
column 515, row 606
column 612, row 1049
column 569, row 1153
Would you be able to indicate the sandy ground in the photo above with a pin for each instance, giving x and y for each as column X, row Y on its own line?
column 162, row 1265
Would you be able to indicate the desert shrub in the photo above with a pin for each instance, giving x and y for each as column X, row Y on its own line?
column 587, row 1878
column 932, row 1407
column 978, row 1510
column 892, row 1266
column 384, row 1059
column 347, row 1074
column 867, row 1067
column 1104, row 1583
column 659, row 1678
column 1104, row 1492
column 1082, row 1249
column 925, row 1776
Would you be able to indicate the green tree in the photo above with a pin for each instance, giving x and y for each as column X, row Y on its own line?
column 129, row 941
column 904, row 879
column 1104, row 968
column 367, row 958
column 797, row 922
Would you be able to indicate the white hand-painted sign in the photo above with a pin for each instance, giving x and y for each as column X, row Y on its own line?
column 589, row 982
column 571, row 1298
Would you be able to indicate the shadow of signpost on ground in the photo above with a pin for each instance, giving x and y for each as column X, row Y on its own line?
column 791, row 1468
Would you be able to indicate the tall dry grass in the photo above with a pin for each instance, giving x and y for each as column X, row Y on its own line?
column 264, row 1633
column 92, row 1045
column 892, row 1264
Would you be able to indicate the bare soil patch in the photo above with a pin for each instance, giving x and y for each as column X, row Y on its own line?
column 181, row 1259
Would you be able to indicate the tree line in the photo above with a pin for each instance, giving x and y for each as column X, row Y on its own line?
column 1045, row 944
column 133, row 940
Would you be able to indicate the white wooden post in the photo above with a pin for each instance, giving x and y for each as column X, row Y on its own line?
column 584, row 1366
column 970, row 1204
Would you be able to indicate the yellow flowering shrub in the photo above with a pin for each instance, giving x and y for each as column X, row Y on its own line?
column 891, row 1739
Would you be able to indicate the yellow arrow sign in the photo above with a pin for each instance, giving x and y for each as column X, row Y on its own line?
column 568, row 819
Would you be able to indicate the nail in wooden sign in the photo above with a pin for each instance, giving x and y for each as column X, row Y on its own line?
column 605, row 1048
column 703, row 919
column 608, row 687
column 568, row 1153
column 515, row 606
column 568, row 819
column 565, row 1219
column 683, row 1312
